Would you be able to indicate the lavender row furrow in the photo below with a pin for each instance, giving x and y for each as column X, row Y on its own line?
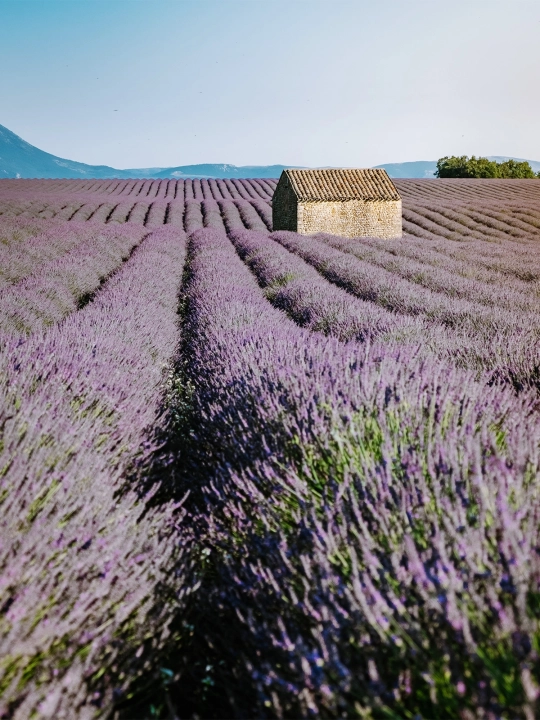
column 515, row 260
column 461, row 222
column 295, row 287
column 378, row 285
column 175, row 214
column 460, row 261
column 85, row 556
column 121, row 212
column 102, row 214
column 497, row 340
column 508, row 223
column 488, row 193
column 452, row 223
column 250, row 217
column 413, row 217
column 439, row 280
column 528, row 215
column 193, row 219
column 68, row 210
column 241, row 191
column 481, row 191
column 265, row 212
column 138, row 213
column 231, row 216
column 223, row 190
column 212, row 215
column 156, row 215
column 26, row 243
column 55, row 286
column 14, row 207
column 494, row 220
column 85, row 212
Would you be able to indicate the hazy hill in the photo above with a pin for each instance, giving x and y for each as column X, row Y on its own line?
column 418, row 169
column 20, row 159
column 221, row 171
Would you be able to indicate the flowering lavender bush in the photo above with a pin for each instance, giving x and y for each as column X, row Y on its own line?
column 86, row 561
column 121, row 212
column 175, row 214
column 371, row 520
column 250, row 217
column 193, row 219
column 384, row 287
column 450, row 279
column 138, row 214
column 265, row 212
column 156, row 214
column 231, row 216
column 444, row 209
column 212, row 215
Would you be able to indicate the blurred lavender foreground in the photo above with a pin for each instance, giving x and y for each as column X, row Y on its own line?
column 371, row 513
column 249, row 474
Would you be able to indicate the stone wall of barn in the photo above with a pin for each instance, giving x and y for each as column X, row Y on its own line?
column 284, row 207
column 351, row 218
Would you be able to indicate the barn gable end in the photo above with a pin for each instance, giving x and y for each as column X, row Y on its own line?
column 346, row 202
column 285, row 205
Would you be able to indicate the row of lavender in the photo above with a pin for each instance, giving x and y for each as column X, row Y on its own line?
column 475, row 296
column 367, row 515
column 472, row 191
column 145, row 189
column 452, row 222
column 474, row 300
column 87, row 550
column 190, row 215
column 446, row 208
column 441, row 192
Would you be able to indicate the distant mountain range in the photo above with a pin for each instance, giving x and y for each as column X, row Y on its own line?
column 19, row 159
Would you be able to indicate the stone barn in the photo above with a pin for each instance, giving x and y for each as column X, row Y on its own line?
column 347, row 202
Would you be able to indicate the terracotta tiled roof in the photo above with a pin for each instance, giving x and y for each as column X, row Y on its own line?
column 342, row 184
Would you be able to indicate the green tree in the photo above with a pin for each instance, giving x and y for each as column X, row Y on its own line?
column 452, row 167
column 515, row 169
column 480, row 167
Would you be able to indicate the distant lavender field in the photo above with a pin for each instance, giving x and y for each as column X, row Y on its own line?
column 256, row 474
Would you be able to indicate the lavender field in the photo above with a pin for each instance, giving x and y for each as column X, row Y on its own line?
column 255, row 474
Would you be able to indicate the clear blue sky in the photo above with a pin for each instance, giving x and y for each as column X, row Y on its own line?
column 141, row 83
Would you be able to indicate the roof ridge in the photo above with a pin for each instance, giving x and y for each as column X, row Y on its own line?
column 340, row 184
